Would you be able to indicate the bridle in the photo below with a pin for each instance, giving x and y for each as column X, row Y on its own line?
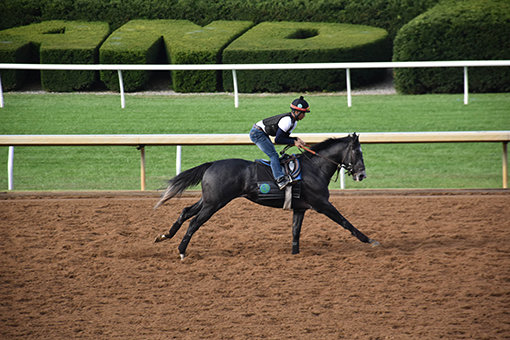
column 347, row 165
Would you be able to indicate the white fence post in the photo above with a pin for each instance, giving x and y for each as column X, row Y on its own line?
column 505, row 165
column 348, row 81
column 178, row 160
column 342, row 178
column 121, row 86
column 466, row 99
column 236, row 94
column 10, row 166
column 1, row 94
column 142, row 167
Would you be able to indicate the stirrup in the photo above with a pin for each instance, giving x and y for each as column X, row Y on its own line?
column 283, row 182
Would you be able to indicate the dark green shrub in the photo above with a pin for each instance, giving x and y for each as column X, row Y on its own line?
column 55, row 42
column 169, row 41
column 202, row 45
column 137, row 42
column 390, row 15
column 455, row 30
column 14, row 51
column 291, row 42
column 20, row 12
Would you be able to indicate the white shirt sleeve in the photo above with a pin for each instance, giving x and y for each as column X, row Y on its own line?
column 286, row 124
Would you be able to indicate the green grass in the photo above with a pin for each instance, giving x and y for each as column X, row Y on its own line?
column 457, row 165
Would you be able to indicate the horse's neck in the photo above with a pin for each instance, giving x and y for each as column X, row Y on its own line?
column 334, row 153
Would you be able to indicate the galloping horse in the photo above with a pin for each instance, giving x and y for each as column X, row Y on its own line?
column 224, row 180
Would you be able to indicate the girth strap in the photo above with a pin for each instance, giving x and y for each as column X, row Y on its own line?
column 287, row 202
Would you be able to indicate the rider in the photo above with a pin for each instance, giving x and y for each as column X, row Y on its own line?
column 279, row 126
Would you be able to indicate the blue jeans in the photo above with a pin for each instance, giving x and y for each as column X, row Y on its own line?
column 264, row 143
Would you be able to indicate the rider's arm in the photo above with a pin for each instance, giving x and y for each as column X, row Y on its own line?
column 283, row 137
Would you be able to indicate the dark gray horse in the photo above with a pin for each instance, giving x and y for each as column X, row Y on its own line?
column 224, row 180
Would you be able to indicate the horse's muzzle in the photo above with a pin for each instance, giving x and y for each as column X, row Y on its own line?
column 359, row 176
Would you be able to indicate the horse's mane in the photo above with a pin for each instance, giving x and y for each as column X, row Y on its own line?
column 327, row 143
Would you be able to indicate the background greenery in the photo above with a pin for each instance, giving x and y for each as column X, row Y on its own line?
column 390, row 15
column 173, row 42
column 455, row 30
column 53, row 42
column 419, row 30
column 456, row 165
column 308, row 43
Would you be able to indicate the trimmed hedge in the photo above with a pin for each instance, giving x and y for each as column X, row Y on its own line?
column 137, row 42
column 455, row 30
column 15, row 51
column 203, row 45
column 53, row 42
column 291, row 42
column 390, row 15
column 169, row 41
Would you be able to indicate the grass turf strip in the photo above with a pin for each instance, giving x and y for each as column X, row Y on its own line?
column 457, row 165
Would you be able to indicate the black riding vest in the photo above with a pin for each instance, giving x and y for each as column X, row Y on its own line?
column 271, row 123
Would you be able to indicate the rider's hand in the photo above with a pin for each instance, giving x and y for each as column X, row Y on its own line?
column 299, row 142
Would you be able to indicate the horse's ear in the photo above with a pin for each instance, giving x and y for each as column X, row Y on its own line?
column 355, row 137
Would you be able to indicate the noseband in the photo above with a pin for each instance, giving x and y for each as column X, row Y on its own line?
column 347, row 165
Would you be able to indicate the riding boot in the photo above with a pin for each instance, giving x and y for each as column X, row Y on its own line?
column 283, row 181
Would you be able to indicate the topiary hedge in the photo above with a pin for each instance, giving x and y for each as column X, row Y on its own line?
column 13, row 50
column 390, row 15
column 455, row 30
column 202, row 45
column 291, row 42
column 137, row 42
column 53, row 42
column 169, row 41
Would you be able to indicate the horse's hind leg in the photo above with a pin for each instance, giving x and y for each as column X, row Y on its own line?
column 187, row 213
column 205, row 213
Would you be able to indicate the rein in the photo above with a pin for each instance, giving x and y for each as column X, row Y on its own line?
column 338, row 165
column 306, row 148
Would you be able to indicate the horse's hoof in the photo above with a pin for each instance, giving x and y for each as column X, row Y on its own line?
column 160, row 238
column 374, row 243
column 182, row 257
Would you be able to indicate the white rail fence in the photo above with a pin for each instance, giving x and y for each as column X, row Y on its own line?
column 179, row 140
column 239, row 67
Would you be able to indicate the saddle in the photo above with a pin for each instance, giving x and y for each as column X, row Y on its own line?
column 289, row 163
column 267, row 188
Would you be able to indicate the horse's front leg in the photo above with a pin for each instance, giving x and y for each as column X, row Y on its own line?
column 330, row 211
column 297, row 221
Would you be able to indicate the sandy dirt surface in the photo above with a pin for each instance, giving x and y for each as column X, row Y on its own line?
column 85, row 266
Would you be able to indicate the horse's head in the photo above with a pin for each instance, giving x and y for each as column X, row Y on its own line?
column 353, row 159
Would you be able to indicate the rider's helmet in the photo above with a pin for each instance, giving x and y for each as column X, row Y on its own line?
column 300, row 104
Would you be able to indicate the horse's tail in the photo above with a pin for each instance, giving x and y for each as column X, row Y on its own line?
column 183, row 181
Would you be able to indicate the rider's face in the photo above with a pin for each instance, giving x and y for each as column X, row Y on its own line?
column 299, row 115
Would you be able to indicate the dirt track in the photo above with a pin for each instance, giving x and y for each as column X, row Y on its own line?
column 82, row 266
